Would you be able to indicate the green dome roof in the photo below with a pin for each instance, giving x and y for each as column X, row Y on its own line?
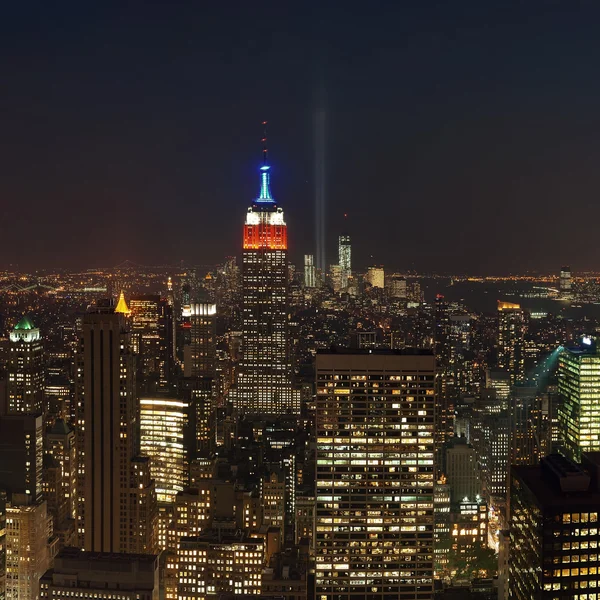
column 25, row 323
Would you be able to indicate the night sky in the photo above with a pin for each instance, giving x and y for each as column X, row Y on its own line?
column 462, row 136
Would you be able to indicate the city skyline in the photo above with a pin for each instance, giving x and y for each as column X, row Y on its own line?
column 491, row 133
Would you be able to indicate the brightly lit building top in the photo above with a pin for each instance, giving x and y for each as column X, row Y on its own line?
column 122, row 307
column 265, row 226
column 508, row 306
column 25, row 331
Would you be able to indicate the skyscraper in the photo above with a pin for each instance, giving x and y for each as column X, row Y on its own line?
column 345, row 259
column 25, row 369
column 511, row 333
column 445, row 410
column 110, row 477
column 60, row 485
column 565, row 283
column 28, row 529
column 310, row 276
column 2, row 545
column 152, row 338
column 265, row 373
column 579, row 388
column 200, row 355
column 375, row 474
column 376, row 277
column 554, row 530
column 167, row 438
column 21, row 455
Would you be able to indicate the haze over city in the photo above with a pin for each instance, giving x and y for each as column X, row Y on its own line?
column 459, row 138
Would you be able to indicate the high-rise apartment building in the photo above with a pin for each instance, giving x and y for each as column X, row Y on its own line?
column 25, row 369
column 345, row 259
column 152, row 338
column 511, row 333
column 555, row 534
column 110, row 476
column 310, row 274
column 579, row 389
column 200, row 355
column 264, row 384
column 375, row 474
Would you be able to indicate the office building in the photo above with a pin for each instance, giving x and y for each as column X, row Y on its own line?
column 554, row 534
column 335, row 278
column 345, row 259
column 22, row 455
column 60, row 481
column 469, row 531
column 441, row 529
column 499, row 381
column 565, row 283
column 462, row 471
column 199, row 394
column 375, row 474
column 28, row 550
column 579, row 389
column 398, row 287
column 209, row 566
column 152, row 338
column 310, row 275
column 167, row 438
column 445, row 409
column 2, row 545
column 264, row 384
column 110, row 475
column 511, row 334
column 25, row 369
column 200, row 354
column 375, row 277
column 78, row 575
column 274, row 501
column 528, row 427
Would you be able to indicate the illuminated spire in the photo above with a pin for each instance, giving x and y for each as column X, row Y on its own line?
column 265, row 176
column 122, row 305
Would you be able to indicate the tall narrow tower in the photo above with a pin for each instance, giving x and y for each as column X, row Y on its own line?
column 117, row 499
column 345, row 259
column 265, row 374
column 25, row 369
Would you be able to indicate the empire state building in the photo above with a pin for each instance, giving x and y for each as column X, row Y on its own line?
column 264, row 383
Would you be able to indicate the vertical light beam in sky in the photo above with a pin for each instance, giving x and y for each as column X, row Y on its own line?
column 320, row 122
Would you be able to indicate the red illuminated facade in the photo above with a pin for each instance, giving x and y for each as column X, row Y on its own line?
column 264, row 235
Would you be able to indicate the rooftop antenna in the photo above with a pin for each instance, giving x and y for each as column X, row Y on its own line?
column 264, row 141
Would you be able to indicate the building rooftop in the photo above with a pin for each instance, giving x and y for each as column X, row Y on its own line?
column 558, row 481
column 25, row 323
column 378, row 351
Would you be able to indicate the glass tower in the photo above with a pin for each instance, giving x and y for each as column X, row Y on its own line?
column 579, row 388
column 345, row 259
